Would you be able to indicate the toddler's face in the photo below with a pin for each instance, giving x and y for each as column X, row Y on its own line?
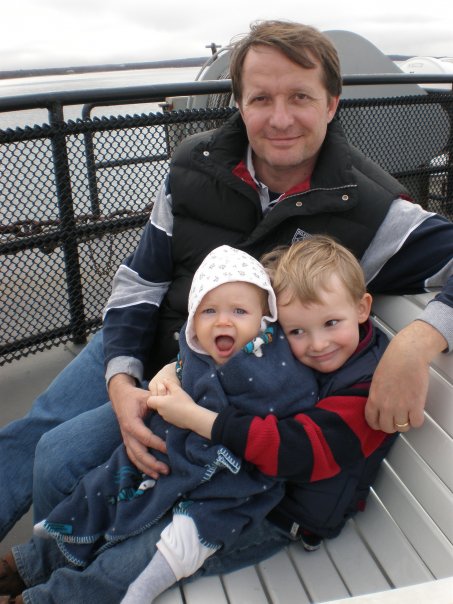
column 323, row 336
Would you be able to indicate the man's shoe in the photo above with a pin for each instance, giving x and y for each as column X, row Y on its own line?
column 10, row 580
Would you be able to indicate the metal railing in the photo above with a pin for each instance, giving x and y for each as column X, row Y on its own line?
column 75, row 194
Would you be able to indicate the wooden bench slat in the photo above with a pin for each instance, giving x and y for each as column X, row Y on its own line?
column 394, row 553
column 422, row 483
column 171, row 596
column 432, row 546
column 282, row 581
column 439, row 400
column 436, row 448
column 244, row 586
column 436, row 592
column 318, row 573
column 355, row 563
column 396, row 311
column 205, row 591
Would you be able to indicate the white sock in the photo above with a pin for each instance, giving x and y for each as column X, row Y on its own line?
column 156, row 578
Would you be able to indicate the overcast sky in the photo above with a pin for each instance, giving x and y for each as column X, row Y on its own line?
column 62, row 33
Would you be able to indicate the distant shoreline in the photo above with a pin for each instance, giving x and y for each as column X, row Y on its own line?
column 49, row 71
column 163, row 64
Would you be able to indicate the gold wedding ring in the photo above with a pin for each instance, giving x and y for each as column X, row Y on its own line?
column 405, row 425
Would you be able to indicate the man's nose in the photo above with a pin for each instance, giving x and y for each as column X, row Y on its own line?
column 281, row 116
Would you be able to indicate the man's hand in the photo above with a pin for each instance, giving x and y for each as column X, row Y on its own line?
column 129, row 404
column 400, row 383
column 178, row 408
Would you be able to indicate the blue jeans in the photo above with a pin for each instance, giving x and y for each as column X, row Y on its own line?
column 106, row 579
column 78, row 388
column 69, row 451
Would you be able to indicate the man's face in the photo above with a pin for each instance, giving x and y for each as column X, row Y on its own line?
column 286, row 110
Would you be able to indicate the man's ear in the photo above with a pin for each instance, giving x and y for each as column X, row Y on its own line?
column 332, row 107
column 364, row 307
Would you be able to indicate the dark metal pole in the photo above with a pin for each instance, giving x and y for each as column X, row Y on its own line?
column 91, row 171
column 68, row 225
column 449, row 185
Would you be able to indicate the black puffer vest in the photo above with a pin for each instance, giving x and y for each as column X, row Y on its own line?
column 348, row 198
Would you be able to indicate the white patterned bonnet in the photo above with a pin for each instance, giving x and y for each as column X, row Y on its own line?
column 224, row 265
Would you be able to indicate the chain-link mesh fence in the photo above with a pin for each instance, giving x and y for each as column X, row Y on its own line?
column 74, row 198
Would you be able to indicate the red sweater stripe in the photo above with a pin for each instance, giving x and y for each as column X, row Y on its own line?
column 324, row 464
column 346, row 408
column 263, row 444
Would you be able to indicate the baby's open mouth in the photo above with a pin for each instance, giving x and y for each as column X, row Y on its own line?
column 224, row 343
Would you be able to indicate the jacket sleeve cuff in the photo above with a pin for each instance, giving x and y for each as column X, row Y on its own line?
column 440, row 316
column 231, row 429
column 128, row 365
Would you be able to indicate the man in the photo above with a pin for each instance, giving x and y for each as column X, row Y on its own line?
column 286, row 124
column 278, row 171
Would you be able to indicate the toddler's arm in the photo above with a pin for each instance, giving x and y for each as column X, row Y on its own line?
column 179, row 409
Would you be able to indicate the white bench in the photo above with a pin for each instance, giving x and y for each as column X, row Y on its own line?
column 400, row 550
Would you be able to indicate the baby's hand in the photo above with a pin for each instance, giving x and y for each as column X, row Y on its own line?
column 179, row 409
column 156, row 385
column 159, row 389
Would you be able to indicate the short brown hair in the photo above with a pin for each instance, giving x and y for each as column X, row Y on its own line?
column 300, row 43
column 304, row 268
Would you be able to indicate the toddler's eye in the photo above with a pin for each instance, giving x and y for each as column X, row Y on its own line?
column 296, row 332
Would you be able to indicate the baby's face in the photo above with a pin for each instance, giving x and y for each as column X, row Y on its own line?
column 227, row 318
column 323, row 336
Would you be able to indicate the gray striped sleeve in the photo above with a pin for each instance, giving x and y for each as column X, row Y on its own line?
column 129, row 289
column 402, row 219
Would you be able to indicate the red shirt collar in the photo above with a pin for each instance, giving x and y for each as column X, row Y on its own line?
column 242, row 172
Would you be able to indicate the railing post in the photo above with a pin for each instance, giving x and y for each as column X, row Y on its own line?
column 449, row 185
column 68, row 224
column 88, row 138
column 91, row 172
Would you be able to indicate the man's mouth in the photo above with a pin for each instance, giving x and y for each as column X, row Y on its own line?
column 283, row 140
